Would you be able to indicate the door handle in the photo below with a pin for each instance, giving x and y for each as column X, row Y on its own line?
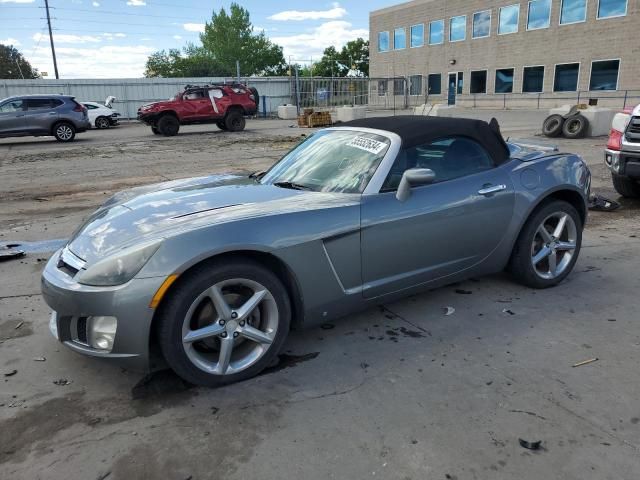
column 492, row 189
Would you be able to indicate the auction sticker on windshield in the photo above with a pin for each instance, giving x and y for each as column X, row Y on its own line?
column 367, row 144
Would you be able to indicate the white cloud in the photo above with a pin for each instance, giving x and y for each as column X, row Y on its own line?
column 296, row 15
column 177, row 37
column 108, row 61
column 136, row 3
column 95, row 4
column 65, row 38
column 306, row 45
column 111, row 36
column 17, row 1
column 10, row 41
column 194, row 27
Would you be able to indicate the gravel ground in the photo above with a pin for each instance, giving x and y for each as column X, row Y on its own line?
column 399, row 392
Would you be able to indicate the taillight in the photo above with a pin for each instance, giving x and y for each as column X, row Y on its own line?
column 615, row 140
column 79, row 107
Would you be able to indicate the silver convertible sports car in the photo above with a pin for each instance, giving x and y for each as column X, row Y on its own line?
column 211, row 273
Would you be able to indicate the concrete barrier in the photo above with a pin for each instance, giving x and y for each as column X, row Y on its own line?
column 287, row 112
column 435, row 110
column 599, row 118
column 346, row 113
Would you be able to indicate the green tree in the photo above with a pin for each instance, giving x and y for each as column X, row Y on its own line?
column 14, row 65
column 192, row 61
column 230, row 37
column 353, row 56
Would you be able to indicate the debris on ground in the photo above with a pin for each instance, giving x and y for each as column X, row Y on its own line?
column 10, row 252
column 585, row 362
column 39, row 359
column 530, row 445
column 598, row 203
column 62, row 382
column 11, row 373
column 18, row 325
column 463, row 292
column 327, row 326
column 506, row 310
column 449, row 311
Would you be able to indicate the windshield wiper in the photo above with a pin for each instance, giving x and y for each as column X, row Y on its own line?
column 291, row 185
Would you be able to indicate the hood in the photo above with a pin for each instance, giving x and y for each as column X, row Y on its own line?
column 109, row 101
column 170, row 208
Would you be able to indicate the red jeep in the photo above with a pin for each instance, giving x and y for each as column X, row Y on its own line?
column 223, row 104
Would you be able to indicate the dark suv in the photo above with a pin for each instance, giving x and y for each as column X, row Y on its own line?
column 43, row 115
column 226, row 105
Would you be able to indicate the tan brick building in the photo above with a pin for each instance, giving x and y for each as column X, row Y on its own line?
column 466, row 51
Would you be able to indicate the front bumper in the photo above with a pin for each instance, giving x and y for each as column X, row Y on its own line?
column 72, row 303
column 623, row 162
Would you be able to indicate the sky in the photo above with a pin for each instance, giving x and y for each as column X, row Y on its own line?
column 113, row 38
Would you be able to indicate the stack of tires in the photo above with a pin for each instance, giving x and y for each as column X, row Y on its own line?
column 572, row 125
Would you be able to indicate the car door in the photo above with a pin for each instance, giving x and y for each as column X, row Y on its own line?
column 442, row 228
column 198, row 106
column 40, row 115
column 220, row 101
column 12, row 117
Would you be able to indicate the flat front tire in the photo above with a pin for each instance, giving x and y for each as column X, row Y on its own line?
column 224, row 322
column 168, row 125
column 548, row 245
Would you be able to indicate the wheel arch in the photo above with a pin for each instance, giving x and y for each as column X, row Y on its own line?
column 59, row 122
column 272, row 262
column 235, row 107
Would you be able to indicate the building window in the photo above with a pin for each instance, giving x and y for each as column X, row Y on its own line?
column 398, row 86
column 612, row 8
column 539, row 14
column 532, row 79
column 508, row 21
column 504, row 80
column 458, row 28
column 417, row 36
column 415, row 85
column 460, row 82
column 434, row 84
column 573, row 11
column 399, row 39
column 566, row 77
column 436, row 32
column 481, row 24
column 383, row 41
column 604, row 75
column 382, row 88
column 478, row 82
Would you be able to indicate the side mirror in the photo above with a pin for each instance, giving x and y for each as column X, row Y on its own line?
column 413, row 178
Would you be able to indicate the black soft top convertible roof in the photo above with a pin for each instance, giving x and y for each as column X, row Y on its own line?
column 417, row 130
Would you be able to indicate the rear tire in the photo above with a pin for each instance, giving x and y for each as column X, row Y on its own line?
column 625, row 186
column 168, row 125
column 64, row 132
column 552, row 126
column 235, row 121
column 540, row 258
column 252, row 339
column 575, row 127
column 256, row 95
column 102, row 122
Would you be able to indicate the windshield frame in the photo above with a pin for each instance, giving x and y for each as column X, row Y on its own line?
column 377, row 179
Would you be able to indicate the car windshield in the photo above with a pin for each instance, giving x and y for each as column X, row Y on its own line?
column 330, row 161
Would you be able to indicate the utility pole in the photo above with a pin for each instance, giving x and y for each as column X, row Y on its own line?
column 53, row 49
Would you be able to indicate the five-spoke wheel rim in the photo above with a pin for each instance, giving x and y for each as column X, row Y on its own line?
column 102, row 123
column 554, row 245
column 64, row 132
column 230, row 326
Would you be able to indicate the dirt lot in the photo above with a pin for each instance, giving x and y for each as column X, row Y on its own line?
column 397, row 392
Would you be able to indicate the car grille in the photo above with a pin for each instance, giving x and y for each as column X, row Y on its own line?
column 633, row 130
column 81, row 330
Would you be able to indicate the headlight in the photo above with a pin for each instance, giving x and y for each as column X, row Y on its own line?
column 119, row 268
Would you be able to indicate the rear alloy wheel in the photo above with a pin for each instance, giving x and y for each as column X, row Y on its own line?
column 548, row 246
column 64, row 132
column 235, row 121
column 224, row 324
column 102, row 122
column 168, row 125
column 625, row 186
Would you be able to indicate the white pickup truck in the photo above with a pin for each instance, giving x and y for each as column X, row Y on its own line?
column 622, row 154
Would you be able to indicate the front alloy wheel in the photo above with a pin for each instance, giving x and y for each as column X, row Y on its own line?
column 224, row 323
column 553, row 246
